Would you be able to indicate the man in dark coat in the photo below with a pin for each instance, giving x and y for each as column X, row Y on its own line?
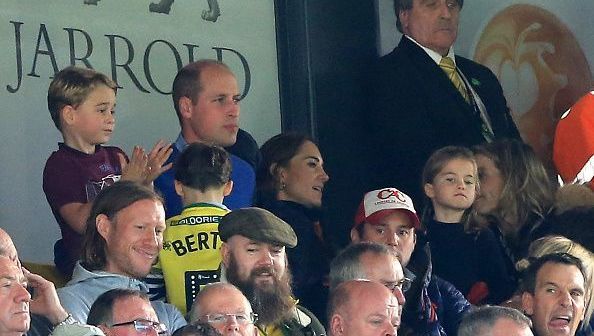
column 417, row 106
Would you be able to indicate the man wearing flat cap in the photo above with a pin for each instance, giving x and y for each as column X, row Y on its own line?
column 254, row 260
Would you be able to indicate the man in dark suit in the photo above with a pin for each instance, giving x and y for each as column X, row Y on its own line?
column 418, row 107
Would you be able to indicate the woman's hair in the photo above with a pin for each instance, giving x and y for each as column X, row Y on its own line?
column 557, row 244
column 528, row 192
column 435, row 164
column 276, row 154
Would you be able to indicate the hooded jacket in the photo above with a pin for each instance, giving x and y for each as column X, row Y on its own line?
column 78, row 295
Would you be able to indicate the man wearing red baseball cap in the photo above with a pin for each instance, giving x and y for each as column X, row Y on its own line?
column 387, row 216
column 433, row 306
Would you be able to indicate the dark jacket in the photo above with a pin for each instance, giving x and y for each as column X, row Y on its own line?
column 245, row 157
column 414, row 109
column 434, row 307
column 474, row 262
column 309, row 261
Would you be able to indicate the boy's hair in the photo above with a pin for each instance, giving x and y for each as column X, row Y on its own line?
column 435, row 164
column 72, row 86
column 202, row 167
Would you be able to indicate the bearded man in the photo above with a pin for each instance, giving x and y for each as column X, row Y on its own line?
column 254, row 260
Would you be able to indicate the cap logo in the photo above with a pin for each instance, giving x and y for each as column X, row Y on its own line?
column 387, row 193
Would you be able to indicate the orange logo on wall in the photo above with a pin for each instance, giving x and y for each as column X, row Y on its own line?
column 541, row 67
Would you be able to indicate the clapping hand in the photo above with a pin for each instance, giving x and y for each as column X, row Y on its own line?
column 145, row 168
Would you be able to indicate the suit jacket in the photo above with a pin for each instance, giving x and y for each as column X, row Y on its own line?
column 415, row 109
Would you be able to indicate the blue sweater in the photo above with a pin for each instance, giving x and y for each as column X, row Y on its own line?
column 244, row 156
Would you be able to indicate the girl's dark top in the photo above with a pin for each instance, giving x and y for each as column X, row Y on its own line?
column 467, row 258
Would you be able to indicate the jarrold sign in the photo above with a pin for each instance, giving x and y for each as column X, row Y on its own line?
column 139, row 44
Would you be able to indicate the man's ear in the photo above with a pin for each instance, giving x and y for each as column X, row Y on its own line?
column 185, row 107
column 355, row 238
column 225, row 254
column 228, row 188
column 103, row 224
column 336, row 325
column 429, row 191
column 528, row 303
column 403, row 15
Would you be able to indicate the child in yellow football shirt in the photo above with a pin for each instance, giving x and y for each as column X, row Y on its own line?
column 190, row 256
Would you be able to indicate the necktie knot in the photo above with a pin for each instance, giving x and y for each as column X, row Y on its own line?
column 447, row 64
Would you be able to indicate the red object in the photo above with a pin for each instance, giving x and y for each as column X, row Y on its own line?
column 574, row 142
column 478, row 293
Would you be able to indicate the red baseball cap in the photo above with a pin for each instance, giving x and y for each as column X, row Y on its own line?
column 378, row 204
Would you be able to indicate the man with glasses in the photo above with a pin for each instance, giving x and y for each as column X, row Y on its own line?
column 371, row 261
column 224, row 307
column 433, row 306
column 125, row 312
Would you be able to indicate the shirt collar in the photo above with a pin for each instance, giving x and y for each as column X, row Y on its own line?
column 436, row 57
column 180, row 143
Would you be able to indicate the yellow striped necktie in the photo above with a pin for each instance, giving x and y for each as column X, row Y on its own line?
column 448, row 66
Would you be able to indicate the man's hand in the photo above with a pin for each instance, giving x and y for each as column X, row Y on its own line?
column 45, row 301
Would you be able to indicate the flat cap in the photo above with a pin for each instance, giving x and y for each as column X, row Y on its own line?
column 257, row 224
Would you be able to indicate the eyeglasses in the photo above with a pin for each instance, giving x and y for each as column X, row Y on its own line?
column 403, row 285
column 144, row 326
column 242, row 319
